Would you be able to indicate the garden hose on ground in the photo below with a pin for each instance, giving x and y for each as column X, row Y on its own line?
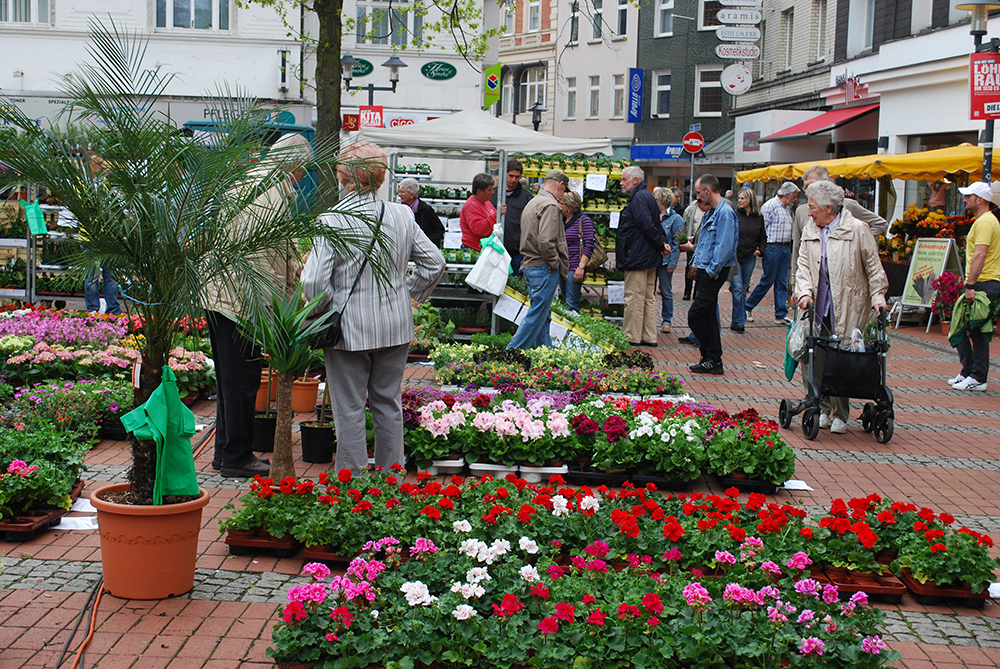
column 95, row 598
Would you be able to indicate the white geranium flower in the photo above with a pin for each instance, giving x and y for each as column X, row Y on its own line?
column 461, row 526
column 590, row 503
column 559, row 506
column 529, row 573
column 417, row 594
column 527, row 545
column 463, row 612
column 477, row 575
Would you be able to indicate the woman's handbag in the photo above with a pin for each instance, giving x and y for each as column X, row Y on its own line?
column 597, row 257
column 332, row 334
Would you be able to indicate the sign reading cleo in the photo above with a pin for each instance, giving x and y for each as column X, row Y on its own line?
column 438, row 70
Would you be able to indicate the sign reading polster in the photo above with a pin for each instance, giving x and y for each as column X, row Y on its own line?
column 693, row 142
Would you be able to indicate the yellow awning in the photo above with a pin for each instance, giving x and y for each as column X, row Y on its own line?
column 921, row 166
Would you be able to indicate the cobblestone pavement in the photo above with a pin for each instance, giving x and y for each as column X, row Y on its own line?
column 944, row 455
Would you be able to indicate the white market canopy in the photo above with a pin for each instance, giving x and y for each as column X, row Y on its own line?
column 475, row 129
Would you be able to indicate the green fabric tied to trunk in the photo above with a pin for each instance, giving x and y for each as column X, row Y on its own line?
column 165, row 420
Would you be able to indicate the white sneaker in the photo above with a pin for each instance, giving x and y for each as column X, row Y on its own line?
column 749, row 316
column 970, row 383
column 783, row 321
column 824, row 422
column 838, row 426
column 958, row 378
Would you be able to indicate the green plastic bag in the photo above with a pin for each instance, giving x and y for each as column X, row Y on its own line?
column 36, row 219
column 165, row 420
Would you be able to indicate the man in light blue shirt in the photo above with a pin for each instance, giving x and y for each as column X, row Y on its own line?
column 778, row 224
column 714, row 255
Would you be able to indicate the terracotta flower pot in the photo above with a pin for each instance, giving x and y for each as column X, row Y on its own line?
column 148, row 552
column 945, row 327
column 262, row 403
column 304, row 395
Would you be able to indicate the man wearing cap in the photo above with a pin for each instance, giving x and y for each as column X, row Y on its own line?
column 545, row 259
column 982, row 275
column 777, row 253
column 639, row 249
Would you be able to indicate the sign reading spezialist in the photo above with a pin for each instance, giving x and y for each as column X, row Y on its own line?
column 984, row 86
column 438, row 70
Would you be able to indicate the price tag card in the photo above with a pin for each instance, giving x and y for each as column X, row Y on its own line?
column 453, row 240
column 576, row 185
column 597, row 182
column 616, row 292
column 613, row 219
column 556, row 331
column 507, row 308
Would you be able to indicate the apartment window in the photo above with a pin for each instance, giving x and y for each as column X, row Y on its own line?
column 788, row 22
column 534, row 15
column 24, row 11
column 597, row 20
column 820, row 9
column 532, row 87
column 574, row 24
column 760, row 61
column 507, row 94
column 869, row 23
column 570, row 98
column 197, row 14
column 594, row 106
column 508, row 22
column 622, row 18
column 618, row 96
column 708, row 90
column 707, row 12
column 383, row 22
column 373, row 25
column 664, row 26
column 660, row 104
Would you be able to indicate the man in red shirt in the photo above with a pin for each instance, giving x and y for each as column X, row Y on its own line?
column 478, row 216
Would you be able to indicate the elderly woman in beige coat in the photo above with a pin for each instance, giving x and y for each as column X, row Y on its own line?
column 838, row 271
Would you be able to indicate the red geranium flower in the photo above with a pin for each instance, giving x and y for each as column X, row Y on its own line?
column 431, row 512
column 344, row 476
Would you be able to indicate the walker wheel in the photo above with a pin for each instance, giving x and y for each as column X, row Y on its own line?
column 810, row 424
column 784, row 414
column 883, row 430
column 868, row 417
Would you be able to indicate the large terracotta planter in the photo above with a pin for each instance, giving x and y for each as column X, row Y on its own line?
column 148, row 552
column 304, row 395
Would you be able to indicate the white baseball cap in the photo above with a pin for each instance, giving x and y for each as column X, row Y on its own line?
column 980, row 188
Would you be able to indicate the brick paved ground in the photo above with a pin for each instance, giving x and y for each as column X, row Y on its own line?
column 944, row 454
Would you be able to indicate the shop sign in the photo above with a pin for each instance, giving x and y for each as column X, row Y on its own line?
column 738, row 51
column 371, row 116
column 438, row 70
column 656, row 151
column 740, row 3
column 736, row 79
column 984, row 86
column 740, row 17
column 751, row 141
column 362, row 69
column 351, row 122
column 737, row 34
column 636, row 77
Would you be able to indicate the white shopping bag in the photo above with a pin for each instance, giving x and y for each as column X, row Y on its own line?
column 490, row 272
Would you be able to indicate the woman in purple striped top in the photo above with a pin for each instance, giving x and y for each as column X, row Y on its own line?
column 579, row 244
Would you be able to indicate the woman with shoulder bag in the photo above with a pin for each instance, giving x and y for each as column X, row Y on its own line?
column 752, row 242
column 377, row 318
column 673, row 225
column 579, row 245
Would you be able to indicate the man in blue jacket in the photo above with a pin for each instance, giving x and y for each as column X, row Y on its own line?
column 639, row 249
column 713, row 257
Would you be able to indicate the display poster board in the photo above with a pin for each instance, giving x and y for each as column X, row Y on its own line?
column 931, row 257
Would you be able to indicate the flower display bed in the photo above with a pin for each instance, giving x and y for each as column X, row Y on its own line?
column 246, row 542
column 885, row 587
column 749, row 485
column 24, row 526
column 930, row 594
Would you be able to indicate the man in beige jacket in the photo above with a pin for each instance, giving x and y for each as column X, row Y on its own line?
column 545, row 259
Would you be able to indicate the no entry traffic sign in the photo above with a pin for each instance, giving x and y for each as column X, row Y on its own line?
column 693, row 141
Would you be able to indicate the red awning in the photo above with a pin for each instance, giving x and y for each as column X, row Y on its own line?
column 822, row 123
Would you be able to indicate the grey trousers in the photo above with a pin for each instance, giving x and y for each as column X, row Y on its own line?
column 375, row 375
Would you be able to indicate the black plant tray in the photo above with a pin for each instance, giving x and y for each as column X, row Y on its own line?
column 660, row 482
column 577, row 477
column 25, row 526
column 749, row 485
column 284, row 547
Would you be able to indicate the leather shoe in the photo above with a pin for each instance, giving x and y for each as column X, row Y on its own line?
column 737, row 328
column 217, row 463
column 634, row 344
column 649, row 344
column 686, row 340
column 249, row 470
column 708, row 367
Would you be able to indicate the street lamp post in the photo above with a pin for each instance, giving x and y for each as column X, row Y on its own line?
column 980, row 15
column 536, row 113
column 347, row 63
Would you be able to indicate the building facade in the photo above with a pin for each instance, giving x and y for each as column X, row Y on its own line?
column 527, row 50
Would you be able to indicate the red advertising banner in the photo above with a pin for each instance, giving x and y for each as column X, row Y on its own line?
column 984, row 86
column 351, row 122
column 371, row 116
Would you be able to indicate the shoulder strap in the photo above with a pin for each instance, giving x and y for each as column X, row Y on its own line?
column 365, row 262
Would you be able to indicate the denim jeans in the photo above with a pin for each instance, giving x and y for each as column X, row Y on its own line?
column 534, row 329
column 665, row 277
column 741, row 281
column 775, row 264
column 92, row 295
column 571, row 292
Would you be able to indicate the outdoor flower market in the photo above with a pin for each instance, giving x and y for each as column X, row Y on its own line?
column 587, row 504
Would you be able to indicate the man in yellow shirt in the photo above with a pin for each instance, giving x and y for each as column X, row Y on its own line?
column 982, row 273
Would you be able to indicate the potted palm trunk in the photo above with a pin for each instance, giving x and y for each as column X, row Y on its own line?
column 159, row 217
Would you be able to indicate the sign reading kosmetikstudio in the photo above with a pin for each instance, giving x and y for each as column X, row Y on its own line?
column 438, row 70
